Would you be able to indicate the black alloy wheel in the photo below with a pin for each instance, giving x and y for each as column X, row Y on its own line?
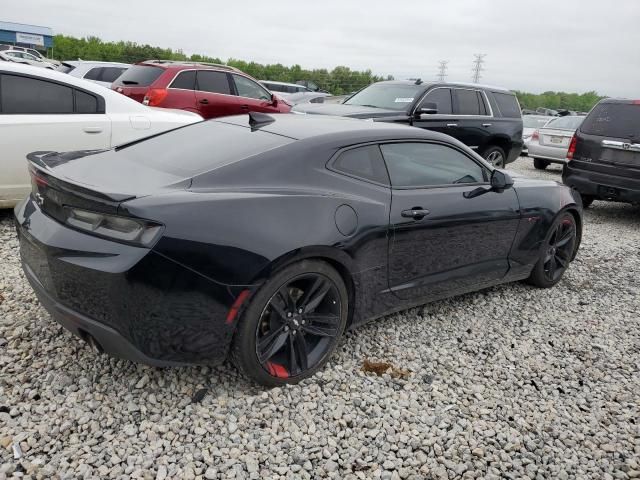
column 557, row 252
column 301, row 316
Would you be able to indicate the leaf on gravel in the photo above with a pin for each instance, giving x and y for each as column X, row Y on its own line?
column 199, row 395
column 380, row 368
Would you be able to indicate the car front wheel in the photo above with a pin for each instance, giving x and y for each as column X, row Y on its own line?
column 292, row 324
column 495, row 156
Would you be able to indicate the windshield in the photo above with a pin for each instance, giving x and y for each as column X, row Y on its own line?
column 386, row 95
column 534, row 122
column 565, row 123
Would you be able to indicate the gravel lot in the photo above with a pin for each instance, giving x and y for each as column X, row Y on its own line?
column 511, row 382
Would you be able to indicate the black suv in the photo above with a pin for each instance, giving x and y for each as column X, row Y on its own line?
column 487, row 119
column 604, row 154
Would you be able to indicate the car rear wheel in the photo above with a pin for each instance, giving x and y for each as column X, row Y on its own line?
column 292, row 325
column 495, row 156
column 540, row 164
column 587, row 200
column 556, row 252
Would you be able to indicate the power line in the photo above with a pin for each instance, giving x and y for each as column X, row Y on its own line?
column 477, row 66
column 442, row 70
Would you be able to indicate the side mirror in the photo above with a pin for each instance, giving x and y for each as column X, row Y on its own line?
column 501, row 180
column 427, row 108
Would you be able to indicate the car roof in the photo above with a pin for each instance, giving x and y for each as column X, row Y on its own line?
column 302, row 127
column 427, row 85
column 182, row 64
column 91, row 63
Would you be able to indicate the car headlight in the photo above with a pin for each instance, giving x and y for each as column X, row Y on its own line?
column 123, row 229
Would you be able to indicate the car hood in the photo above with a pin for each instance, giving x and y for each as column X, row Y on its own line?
column 342, row 110
column 520, row 180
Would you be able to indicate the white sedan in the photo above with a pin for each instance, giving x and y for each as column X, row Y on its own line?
column 45, row 110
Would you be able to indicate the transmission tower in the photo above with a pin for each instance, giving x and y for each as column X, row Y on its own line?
column 477, row 66
column 442, row 70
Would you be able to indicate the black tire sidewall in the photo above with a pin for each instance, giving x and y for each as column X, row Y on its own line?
column 244, row 342
column 537, row 276
column 540, row 164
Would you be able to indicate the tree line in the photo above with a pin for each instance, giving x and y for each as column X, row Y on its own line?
column 339, row 80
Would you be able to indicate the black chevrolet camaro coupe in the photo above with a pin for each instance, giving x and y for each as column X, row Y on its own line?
column 263, row 238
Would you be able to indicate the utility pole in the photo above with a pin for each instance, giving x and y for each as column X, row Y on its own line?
column 477, row 66
column 442, row 70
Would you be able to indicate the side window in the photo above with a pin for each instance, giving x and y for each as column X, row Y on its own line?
column 23, row 95
column 442, row 98
column 468, row 102
column 213, row 82
column 429, row 164
column 363, row 162
column 94, row 74
column 508, row 105
column 187, row 80
column 250, row 89
column 86, row 103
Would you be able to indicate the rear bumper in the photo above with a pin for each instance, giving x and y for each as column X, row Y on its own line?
column 605, row 186
column 551, row 154
column 136, row 303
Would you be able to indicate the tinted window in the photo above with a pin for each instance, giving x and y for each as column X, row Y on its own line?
column 110, row 74
column 86, row 103
column 508, row 105
column 363, row 162
column 28, row 95
column 442, row 98
column 565, row 123
column 139, row 76
column 387, row 95
column 250, row 89
column 185, row 80
column 66, row 68
column 468, row 102
column 618, row 120
column 427, row 164
column 531, row 121
column 94, row 74
column 214, row 82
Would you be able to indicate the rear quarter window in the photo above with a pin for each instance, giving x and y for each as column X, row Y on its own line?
column 618, row 120
column 508, row 104
column 139, row 76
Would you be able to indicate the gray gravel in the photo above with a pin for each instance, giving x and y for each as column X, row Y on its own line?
column 511, row 382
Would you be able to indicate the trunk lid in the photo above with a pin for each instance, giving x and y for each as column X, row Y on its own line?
column 342, row 110
column 552, row 137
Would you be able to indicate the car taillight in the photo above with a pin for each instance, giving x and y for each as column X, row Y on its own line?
column 155, row 96
column 572, row 147
column 535, row 135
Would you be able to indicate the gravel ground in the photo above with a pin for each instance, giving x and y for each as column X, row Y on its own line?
column 511, row 382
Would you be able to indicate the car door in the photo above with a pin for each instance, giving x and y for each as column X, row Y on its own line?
column 214, row 96
column 441, row 241
column 37, row 115
column 252, row 96
column 443, row 120
column 474, row 122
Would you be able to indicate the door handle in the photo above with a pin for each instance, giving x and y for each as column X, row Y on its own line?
column 244, row 107
column 204, row 101
column 92, row 129
column 452, row 124
column 417, row 213
column 486, row 124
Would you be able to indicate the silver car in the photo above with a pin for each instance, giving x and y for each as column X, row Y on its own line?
column 550, row 143
column 530, row 123
column 19, row 56
column 102, row 73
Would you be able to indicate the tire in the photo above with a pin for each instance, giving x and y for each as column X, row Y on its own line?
column 540, row 164
column 555, row 256
column 495, row 156
column 272, row 334
column 587, row 200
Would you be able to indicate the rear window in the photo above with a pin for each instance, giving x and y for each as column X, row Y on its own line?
column 565, row 123
column 110, row 74
column 139, row 76
column 201, row 147
column 618, row 120
column 66, row 68
column 508, row 105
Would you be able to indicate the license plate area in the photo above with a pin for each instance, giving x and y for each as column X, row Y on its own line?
column 556, row 140
column 608, row 192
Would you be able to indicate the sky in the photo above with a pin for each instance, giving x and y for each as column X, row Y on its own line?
column 535, row 46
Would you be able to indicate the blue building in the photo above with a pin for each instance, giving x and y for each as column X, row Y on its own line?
column 33, row 36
